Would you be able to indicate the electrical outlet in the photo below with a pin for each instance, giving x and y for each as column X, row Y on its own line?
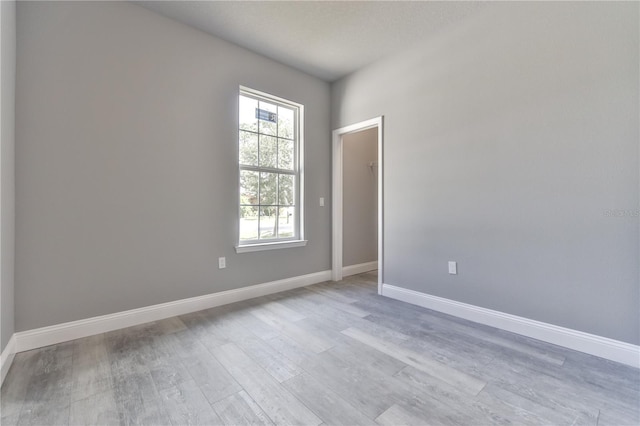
column 321, row 201
column 453, row 267
column 222, row 263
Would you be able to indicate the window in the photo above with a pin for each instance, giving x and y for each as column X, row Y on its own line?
column 269, row 157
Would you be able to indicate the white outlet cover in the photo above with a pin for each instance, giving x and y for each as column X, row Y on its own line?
column 453, row 268
column 222, row 263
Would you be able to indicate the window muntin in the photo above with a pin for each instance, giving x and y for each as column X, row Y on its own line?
column 269, row 148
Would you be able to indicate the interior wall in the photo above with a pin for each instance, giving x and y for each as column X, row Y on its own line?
column 511, row 147
column 360, row 197
column 7, row 168
column 127, row 181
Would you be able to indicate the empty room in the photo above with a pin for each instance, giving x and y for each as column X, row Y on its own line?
column 319, row 213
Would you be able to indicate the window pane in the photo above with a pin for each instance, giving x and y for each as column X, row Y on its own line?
column 285, row 154
column 248, row 187
column 268, row 157
column 268, row 222
column 268, row 151
column 247, row 114
column 268, row 188
column 286, row 190
column 285, row 122
column 248, row 149
column 286, row 222
column 248, row 223
column 267, row 126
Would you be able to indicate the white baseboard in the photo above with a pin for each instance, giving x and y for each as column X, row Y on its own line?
column 603, row 347
column 359, row 268
column 45, row 336
column 6, row 358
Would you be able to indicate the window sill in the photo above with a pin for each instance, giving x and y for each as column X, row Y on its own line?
column 270, row 246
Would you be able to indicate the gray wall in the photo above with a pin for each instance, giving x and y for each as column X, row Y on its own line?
column 508, row 140
column 360, row 197
column 127, row 162
column 7, row 155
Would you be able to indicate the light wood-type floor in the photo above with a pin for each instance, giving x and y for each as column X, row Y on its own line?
column 332, row 353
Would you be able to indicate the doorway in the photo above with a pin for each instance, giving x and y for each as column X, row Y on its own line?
column 338, row 214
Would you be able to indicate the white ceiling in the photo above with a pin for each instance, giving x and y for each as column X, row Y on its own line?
column 327, row 39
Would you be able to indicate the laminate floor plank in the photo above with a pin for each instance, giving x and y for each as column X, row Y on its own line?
column 360, row 385
column 170, row 325
column 456, row 399
column 239, row 409
column 293, row 330
column 351, row 291
column 439, row 370
column 277, row 364
column 538, row 412
column 196, row 323
column 613, row 418
column 511, row 407
column 283, row 311
column 132, row 380
column 414, row 411
column 16, row 383
column 324, row 307
column 91, row 368
column 328, row 405
column 546, row 390
column 43, row 413
column 297, row 353
column 97, row 409
column 454, row 352
column 274, row 362
column 602, row 372
column 222, row 325
column 398, row 416
column 369, row 289
column 53, row 358
column 351, row 348
column 167, row 369
column 214, row 380
column 621, row 382
column 49, row 392
column 333, row 353
column 491, row 340
column 544, row 379
column 277, row 402
column 322, row 299
column 186, row 405
column 139, row 411
column 260, row 328
column 336, row 295
column 412, row 322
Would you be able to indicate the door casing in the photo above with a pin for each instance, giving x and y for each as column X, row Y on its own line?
column 337, row 193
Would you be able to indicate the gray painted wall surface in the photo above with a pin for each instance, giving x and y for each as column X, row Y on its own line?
column 508, row 139
column 127, row 162
column 360, row 197
column 7, row 191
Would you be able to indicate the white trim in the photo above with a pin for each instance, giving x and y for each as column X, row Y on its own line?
column 6, row 358
column 336, row 250
column 45, row 336
column 268, row 96
column 270, row 246
column 603, row 347
column 359, row 268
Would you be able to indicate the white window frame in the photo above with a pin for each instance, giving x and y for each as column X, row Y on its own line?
column 298, row 239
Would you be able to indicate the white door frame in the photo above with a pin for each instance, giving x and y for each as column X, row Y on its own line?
column 338, row 134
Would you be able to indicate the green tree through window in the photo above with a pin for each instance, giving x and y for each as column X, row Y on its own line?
column 268, row 147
